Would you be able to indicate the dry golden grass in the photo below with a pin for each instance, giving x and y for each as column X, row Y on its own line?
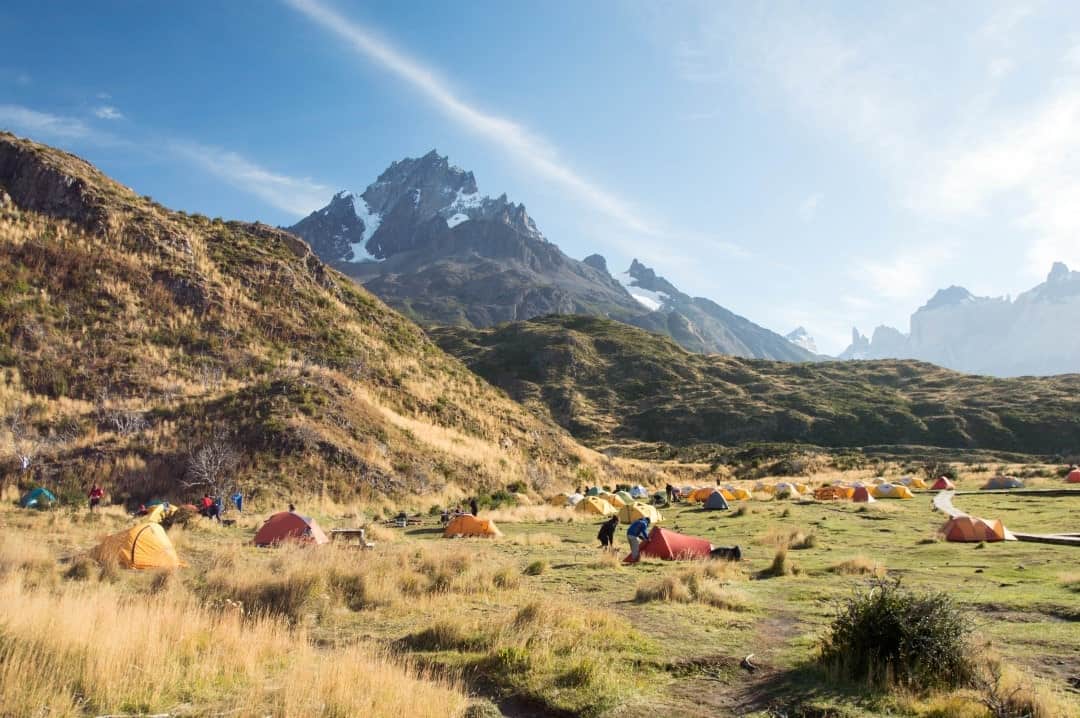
column 539, row 538
column 859, row 566
column 788, row 537
column 95, row 649
column 1070, row 581
column 706, row 582
column 531, row 514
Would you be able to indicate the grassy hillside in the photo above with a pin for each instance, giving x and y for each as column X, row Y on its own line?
column 605, row 382
column 131, row 336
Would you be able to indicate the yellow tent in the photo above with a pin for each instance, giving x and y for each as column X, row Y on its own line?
column 738, row 494
column 891, row 491
column 802, row 488
column 469, row 525
column 596, row 506
column 784, row 490
column 765, row 488
column 159, row 512
column 614, row 500
column 559, row 500
column 143, row 546
column 632, row 512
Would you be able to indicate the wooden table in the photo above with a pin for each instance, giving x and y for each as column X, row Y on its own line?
column 349, row 534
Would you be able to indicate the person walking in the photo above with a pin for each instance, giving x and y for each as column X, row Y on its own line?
column 637, row 534
column 238, row 501
column 607, row 533
column 95, row 496
column 474, row 507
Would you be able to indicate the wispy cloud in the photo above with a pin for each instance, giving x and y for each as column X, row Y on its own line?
column 43, row 125
column 297, row 195
column 907, row 275
column 107, row 112
column 516, row 140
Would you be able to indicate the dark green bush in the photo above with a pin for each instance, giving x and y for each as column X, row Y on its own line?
column 887, row 636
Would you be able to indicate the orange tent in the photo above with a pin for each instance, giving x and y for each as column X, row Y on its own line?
column 143, row 546
column 971, row 529
column 833, row 493
column 700, row 494
column 289, row 526
column 469, row 525
column 862, row 495
column 943, row 484
column 672, row 546
column 1073, row 477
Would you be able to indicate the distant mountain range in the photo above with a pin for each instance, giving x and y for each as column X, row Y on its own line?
column 1038, row 333
column 423, row 239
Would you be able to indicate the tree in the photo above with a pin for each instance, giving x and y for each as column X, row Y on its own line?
column 212, row 467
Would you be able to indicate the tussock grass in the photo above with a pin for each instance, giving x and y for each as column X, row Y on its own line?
column 707, row 583
column 1070, row 581
column 789, row 538
column 781, row 565
column 87, row 655
column 537, row 567
column 530, row 514
column 859, row 566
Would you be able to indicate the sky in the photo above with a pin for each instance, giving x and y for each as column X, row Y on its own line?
column 827, row 164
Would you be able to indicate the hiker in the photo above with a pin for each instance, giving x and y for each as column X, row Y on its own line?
column 670, row 491
column 206, row 506
column 637, row 534
column 474, row 507
column 607, row 533
column 445, row 518
column 238, row 501
column 292, row 508
column 216, row 508
column 95, row 496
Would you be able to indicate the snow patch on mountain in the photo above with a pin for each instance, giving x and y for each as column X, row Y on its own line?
column 370, row 221
column 457, row 219
column 647, row 298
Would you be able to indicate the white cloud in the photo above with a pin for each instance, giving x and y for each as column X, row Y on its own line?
column 516, row 140
column 106, row 112
column 809, row 206
column 43, row 125
column 908, row 275
column 297, row 195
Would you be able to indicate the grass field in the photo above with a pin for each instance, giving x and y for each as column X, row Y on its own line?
column 537, row 622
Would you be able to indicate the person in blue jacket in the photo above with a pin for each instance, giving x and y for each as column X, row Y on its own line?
column 638, row 532
column 238, row 501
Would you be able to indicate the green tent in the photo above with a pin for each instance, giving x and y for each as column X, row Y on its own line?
column 593, row 491
column 38, row 497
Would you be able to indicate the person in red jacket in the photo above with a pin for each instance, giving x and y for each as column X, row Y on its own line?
column 95, row 496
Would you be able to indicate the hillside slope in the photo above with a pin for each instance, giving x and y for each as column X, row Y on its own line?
column 605, row 382
column 131, row 335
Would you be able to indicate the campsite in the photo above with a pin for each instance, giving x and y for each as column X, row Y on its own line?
column 537, row 620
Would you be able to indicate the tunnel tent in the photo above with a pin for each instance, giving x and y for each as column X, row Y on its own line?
column 971, row 529
column 891, row 491
column 468, row 526
column 671, row 546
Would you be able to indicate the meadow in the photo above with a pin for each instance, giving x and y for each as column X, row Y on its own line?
column 537, row 622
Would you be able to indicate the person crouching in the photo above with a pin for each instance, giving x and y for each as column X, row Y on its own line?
column 607, row 533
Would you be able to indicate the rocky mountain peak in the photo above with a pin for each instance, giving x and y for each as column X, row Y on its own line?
column 801, row 338
column 597, row 261
column 948, row 297
column 1059, row 272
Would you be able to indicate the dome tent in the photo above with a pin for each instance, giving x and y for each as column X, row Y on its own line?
column 468, row 525
column 638, row 491
column 632, row 512
column 1073, row 477
column 1003, row 482
column 596, row 506
column 716, row 502
column 862, row 495
column 625, row 497
column 892, row 491
column 143, row 546
column 290, row 526
column 943, row 483
column 971, row 529
column 37, row 498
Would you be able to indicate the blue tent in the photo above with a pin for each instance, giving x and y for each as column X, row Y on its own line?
column 38, row 497
column 716, row 502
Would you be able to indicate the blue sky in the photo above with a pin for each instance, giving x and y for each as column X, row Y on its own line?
column 823, row 164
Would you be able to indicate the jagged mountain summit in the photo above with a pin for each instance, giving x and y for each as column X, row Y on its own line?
column 1038, row 333
column 425, row 240
column 801, row 338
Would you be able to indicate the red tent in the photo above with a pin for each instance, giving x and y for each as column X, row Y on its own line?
column 862, row 495
column 285, row 526
column 943, row 484
column 671, row 546
column 1073, row 477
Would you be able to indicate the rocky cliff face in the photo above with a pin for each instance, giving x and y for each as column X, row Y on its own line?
column 425, row 240
column 1038, row 333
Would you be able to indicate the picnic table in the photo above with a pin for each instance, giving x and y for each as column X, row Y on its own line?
column 350, row 534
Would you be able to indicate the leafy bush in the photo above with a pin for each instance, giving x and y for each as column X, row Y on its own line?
column 885, row 635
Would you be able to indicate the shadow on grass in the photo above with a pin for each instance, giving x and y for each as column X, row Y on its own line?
column 802, row 692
